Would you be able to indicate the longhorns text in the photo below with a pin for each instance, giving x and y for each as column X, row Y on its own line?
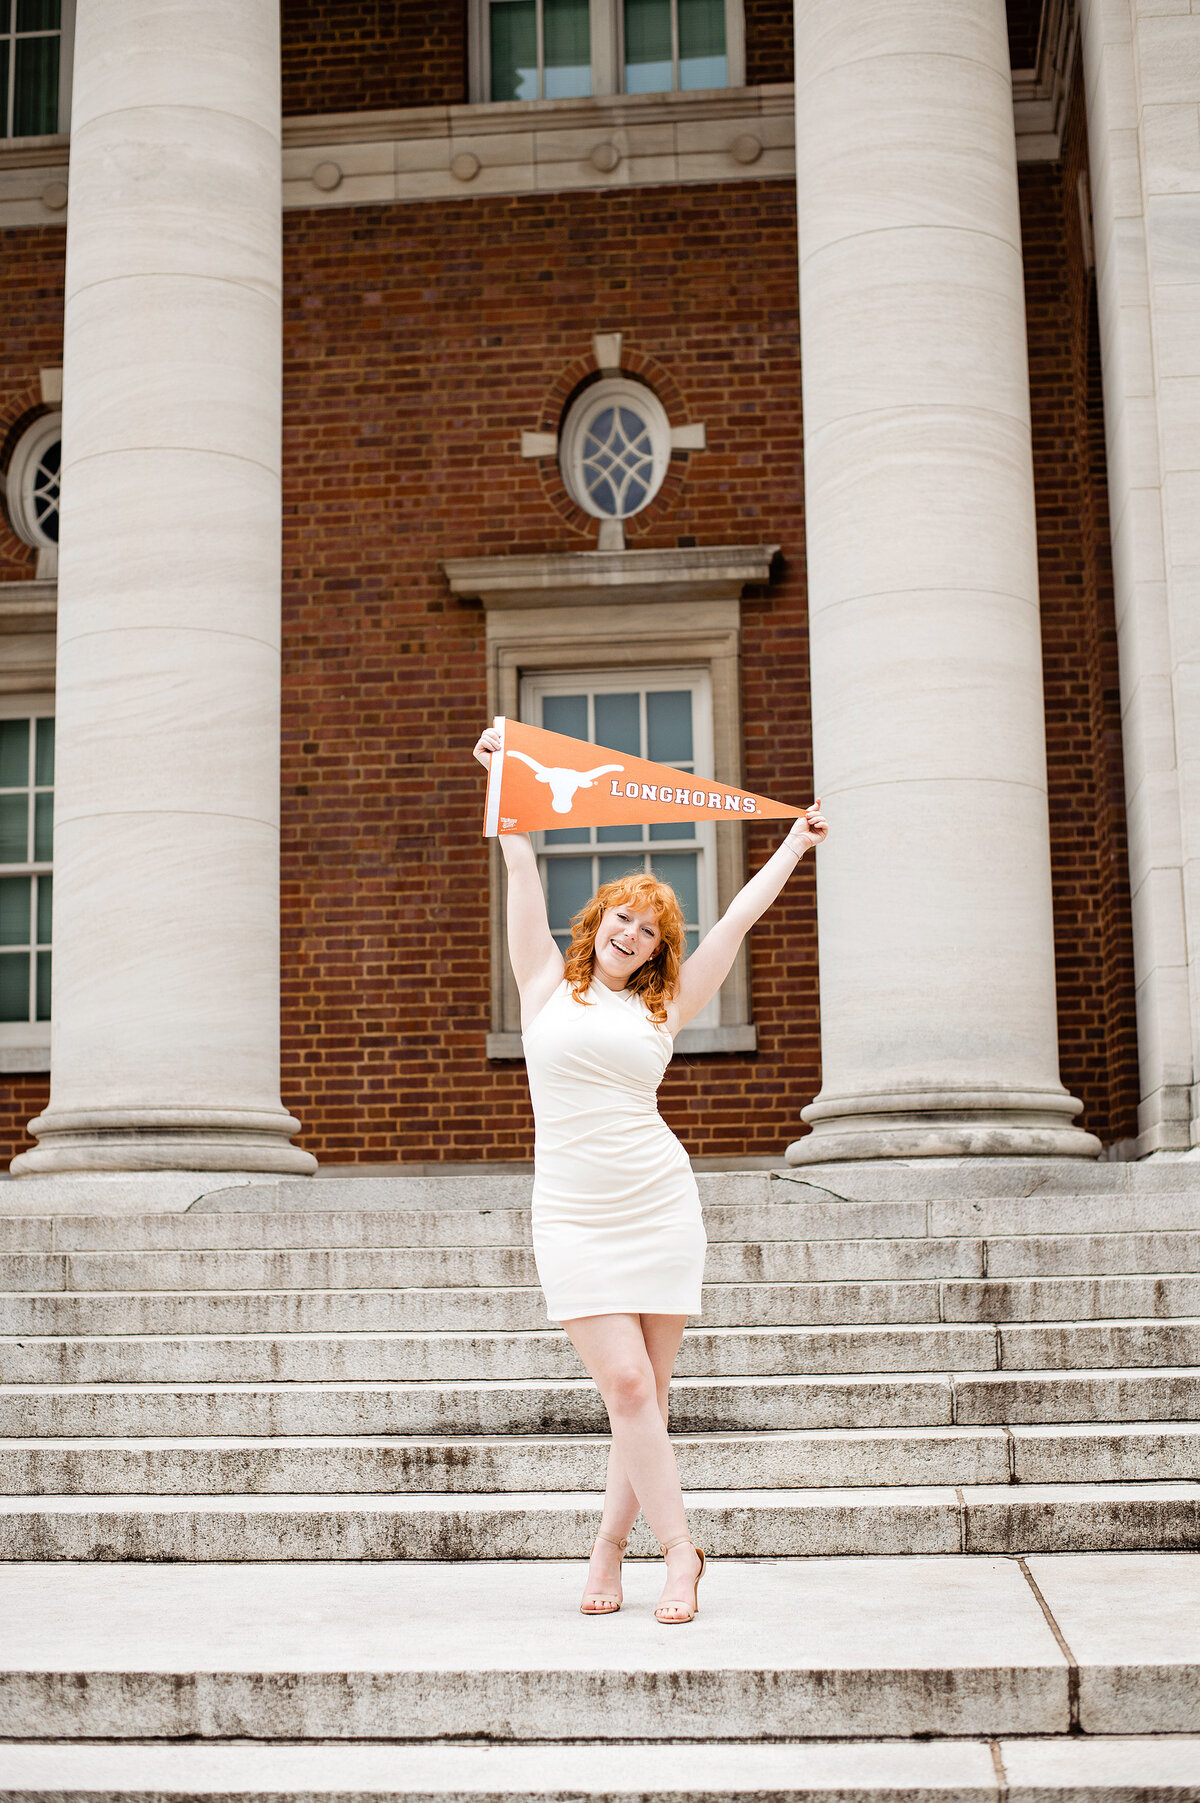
column 688, row 798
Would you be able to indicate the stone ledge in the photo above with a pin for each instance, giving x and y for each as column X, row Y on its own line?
column 573, row 578
column 695, row 1040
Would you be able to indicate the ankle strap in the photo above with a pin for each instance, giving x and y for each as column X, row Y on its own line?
column 612, row 1540
column 664, row 1547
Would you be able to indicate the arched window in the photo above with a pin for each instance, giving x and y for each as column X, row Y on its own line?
column 32, row 489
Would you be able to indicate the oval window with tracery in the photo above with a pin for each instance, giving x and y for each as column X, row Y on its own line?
column 615, row 448
column 33, row 484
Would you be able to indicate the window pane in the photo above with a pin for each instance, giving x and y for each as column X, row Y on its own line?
column 35, row 93
column 43, row 985
column 618, row 723
column 14, row 985
column 569, row 886
column 44, row 908
column 669, row 726
column 679, row 868
column 14, row 829
column 38, row 15
column 43, row 828
column 648, row 65
column 15, row 906
column 567, row 714
column 44, row 757
column 47, row 491
column 567, row 43
column 686, row 829
column 702, row 61
column 514, row 49
column 623, row 864
column 4, row 43
column 14, row 752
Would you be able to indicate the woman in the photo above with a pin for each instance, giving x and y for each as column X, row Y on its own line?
column 617, row 1233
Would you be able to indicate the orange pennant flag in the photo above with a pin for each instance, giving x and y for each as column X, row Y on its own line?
column 539, row 780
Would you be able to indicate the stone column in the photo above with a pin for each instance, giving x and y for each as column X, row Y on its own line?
column 165, row 1047
column 938, row 1019
column 1141, row 67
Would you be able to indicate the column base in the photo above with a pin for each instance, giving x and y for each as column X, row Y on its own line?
column 157, row 1139
column 1020, row 1125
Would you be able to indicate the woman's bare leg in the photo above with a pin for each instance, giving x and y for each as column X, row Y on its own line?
column 662, row 1335
column 616, row 1349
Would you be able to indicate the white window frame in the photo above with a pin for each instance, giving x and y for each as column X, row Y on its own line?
column 612, row 391
column 704, row 842
column 608, row 51
column 25, row 1045
column 66, row 58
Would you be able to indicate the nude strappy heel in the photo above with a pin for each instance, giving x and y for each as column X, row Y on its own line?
column 682, row 1612
column 605, row 1603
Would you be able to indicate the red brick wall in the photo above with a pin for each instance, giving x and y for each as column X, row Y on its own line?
column 31, row 268
column 31, row 290
column 339, row 58
column 1093, row 933
column 770, row 42
column 419, row 342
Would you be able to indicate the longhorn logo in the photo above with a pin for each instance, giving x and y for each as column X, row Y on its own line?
column 565, row 784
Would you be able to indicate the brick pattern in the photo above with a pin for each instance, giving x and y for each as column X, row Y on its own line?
column 30, row 341
column 579, row 374
column 770, row 42
column 372, row 56
column 419, row 343
column 349, row 59
column 1089, row 855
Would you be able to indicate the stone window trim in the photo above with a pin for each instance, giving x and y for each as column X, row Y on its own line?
column 25, row 1045
column 618, row 371
column 537, row 687
column 20, row 484
column 606, row 47
column 605, row 611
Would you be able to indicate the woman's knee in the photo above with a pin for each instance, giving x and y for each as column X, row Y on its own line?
column 628, row 1387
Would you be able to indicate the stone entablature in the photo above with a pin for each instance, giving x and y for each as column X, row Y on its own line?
column 544, row 146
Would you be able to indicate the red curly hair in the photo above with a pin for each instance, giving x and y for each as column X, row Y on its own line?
column 658, row 978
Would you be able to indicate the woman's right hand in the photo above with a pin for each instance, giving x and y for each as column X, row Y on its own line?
column 488, row 742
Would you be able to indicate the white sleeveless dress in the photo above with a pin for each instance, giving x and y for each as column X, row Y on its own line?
column 616, row 1213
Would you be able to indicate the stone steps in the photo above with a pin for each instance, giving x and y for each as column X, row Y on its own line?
column 305, row 1466
column 1155, row 1769
column 810, row 1649
column 488, row 1265
column 1161, row 1297
column 818, row 1458
column 733, row 1352
column 571, row 1405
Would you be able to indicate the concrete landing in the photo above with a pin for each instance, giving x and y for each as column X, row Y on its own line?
column 816, row 1649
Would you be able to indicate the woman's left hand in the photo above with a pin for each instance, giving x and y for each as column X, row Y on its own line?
column 812, row 830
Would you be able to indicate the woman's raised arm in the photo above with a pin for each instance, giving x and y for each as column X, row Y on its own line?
column 703, row 973
column 536, row 960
